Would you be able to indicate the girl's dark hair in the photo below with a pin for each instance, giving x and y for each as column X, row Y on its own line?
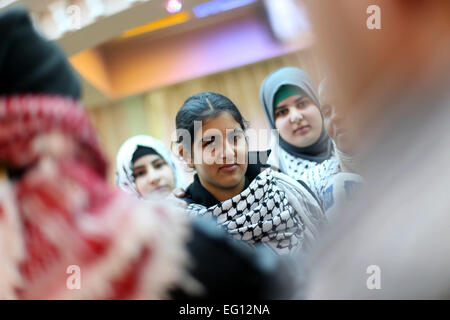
column 202, row 106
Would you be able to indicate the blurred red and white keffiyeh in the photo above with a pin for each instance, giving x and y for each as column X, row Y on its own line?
column 64, row 232
column 60, row 212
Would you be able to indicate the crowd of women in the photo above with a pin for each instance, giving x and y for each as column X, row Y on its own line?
column 280, row 201
column 247, row 226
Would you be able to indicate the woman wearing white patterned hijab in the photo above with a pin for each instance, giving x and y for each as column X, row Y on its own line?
column 145, row 168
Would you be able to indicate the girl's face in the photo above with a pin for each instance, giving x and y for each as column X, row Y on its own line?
column 298, row 120
column 152, row 175
column 220, row 153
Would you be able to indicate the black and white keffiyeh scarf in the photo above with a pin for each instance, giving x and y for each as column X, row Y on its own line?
column 327, row 180
column 274, row 210
column 317, row 177
column 296, row 167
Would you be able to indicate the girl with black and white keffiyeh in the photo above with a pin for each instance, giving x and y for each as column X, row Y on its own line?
column 253, row 203
column 292, row 107
column 291, row 103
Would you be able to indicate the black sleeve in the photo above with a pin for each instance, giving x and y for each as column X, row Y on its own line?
column 227, row 268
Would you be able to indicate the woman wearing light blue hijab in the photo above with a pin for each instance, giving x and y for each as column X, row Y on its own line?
column 145, row 168
column 291, row 105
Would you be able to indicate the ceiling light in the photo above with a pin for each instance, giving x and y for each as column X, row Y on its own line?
column 173, row 6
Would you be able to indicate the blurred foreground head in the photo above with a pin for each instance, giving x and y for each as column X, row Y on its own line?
column 30, row 64
column 392, row 87
column 368, row 67
column 39, row 93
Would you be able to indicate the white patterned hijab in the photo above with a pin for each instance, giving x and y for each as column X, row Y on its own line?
column 274, row 210
column 124, row 165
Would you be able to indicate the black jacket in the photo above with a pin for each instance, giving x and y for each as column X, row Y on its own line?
column 228, row 269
